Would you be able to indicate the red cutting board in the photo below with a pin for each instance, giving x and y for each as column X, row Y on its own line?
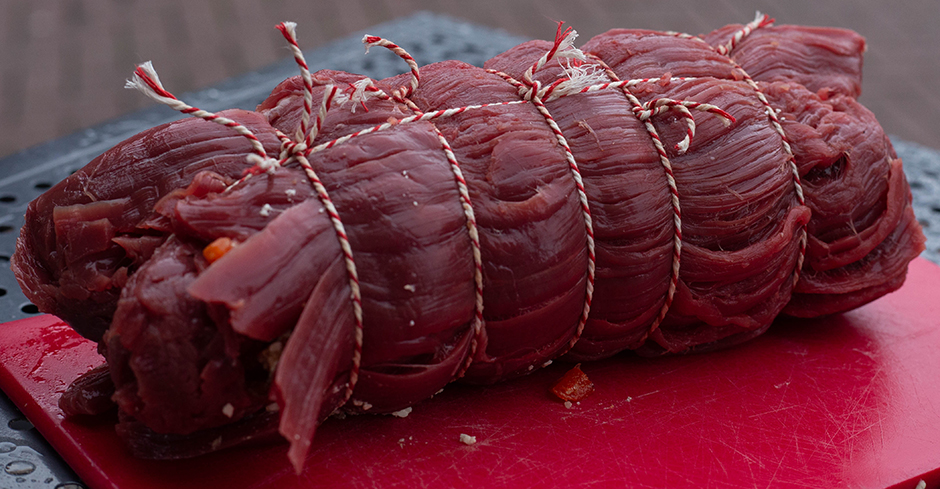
column 846, row 401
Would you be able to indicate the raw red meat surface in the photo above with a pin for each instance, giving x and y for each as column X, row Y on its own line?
column 265, row 338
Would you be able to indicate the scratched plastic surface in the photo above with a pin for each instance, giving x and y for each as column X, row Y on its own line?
column 847, row 401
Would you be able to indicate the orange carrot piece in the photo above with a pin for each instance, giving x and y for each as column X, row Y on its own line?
column 574, row 385
column 218, row 248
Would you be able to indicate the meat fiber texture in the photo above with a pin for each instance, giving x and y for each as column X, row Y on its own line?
column 204, row 355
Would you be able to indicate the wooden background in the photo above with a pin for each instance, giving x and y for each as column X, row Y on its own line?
column 63, row 63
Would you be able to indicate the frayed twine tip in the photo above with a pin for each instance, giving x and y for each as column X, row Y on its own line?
column 564, row 44
column 144, row 69
column 146, row 81
column 370, row 41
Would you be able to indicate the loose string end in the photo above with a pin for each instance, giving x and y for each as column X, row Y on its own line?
column 564, row 44
column 369, row 41
column 146, row 80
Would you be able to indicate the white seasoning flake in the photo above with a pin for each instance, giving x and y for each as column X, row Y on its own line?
column 228, row 410
column 362, row 404
column 415, row 203
column 546, row 364
column 402, row 413
column 411, row 323
column 404, row 173
column 467, row 439
column 272, row 408
column 217, row 443
column 290, row 192
column 266, row 210
column 410, row 287
column 567, row 404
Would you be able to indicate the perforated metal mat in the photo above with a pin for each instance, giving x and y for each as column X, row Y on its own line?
column 922, row 167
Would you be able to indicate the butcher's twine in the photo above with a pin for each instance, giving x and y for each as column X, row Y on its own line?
column 581, row 77
column 763, row 20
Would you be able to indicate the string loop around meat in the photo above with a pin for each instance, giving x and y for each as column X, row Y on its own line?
column 760, row 21
column 401, row 96
column 624, row 87
column 296, row 150
column 530, row 90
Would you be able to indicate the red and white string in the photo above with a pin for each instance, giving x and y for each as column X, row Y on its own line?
column 529, row 91
column 401, row 96
column 763, row 20
column 638, row 107
column 146, row 81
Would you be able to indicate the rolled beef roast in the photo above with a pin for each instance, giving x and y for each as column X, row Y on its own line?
column 543, row 220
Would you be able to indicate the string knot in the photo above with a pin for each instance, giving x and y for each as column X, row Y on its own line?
column 263, row 165
column 297, row 149
column 530, row 90
column 361, row 91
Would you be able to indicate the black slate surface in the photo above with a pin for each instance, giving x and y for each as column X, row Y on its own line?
column 427, row 37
